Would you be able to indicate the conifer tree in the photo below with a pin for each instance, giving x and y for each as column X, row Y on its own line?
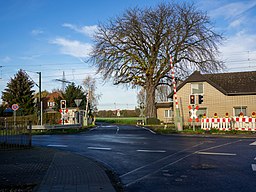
column 19, row 91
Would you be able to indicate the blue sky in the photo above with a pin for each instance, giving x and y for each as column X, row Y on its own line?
column 52, row 36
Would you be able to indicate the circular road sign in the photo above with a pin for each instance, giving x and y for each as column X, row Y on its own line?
column 15, row 107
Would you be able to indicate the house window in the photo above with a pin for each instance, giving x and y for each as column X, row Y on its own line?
column 51, row 104
column 167, row 113
column 197, row 88
column 238, row 110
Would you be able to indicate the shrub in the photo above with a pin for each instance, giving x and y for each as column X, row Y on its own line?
column 152, row 121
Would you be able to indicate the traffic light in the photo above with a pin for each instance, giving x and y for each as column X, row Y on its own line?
column 200, row 99
column 192, row 99
column 63, row 104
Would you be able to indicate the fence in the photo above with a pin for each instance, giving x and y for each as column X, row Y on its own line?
column 15, row 135
column 228, row 124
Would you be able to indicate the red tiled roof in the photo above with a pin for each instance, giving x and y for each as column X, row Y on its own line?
column 52, row 96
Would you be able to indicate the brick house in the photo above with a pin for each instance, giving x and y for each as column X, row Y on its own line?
column 48, row 101
column 218, row 94
column 165, row 112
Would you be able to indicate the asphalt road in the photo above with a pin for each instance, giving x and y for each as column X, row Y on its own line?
column 145, row 161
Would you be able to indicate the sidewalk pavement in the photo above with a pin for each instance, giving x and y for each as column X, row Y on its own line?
column 49, row 170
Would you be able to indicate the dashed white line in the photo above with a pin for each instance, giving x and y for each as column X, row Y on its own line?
column 254, row 167
column 52, row 145
column 117, row 130
column 150, row 151
column 100, row 148
column 210, row 153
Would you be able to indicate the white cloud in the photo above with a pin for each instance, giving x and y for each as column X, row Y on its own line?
column 31, row 57
column 73, row 47
column 238, row 51
column 236, row 23
column 36, row 32
column 6, row 59
column 86, row 30
column 241, row 41
column 233, row 9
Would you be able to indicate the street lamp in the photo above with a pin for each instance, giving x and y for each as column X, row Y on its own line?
column 40, row 96
column 40, row 99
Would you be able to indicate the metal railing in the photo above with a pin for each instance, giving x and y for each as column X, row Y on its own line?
column 15, row 135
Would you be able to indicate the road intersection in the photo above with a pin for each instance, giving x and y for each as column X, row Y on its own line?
column 145, row 161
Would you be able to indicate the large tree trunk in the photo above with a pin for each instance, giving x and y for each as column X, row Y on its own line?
column 150, row 100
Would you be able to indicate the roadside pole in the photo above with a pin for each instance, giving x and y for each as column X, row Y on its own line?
column 14, row 118
column 77, row 102
column 177, row 119
column 15, row 107
column 193, row 116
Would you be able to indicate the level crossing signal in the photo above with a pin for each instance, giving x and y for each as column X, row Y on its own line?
column 200, row 99
column 192, row 100
column 63, row 104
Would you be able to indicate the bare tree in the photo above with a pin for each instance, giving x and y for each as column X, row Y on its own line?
column 90, row 87
column 162, row 93
column 141, row 97
column 135, row 48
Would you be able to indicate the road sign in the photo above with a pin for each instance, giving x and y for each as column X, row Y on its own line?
column 78, row 101
column 15, row 107
column 193, row 113
column 118, row 113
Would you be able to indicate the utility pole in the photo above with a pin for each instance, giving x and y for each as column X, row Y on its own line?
column 40, row 99
column 64, row 81
column 40, row 95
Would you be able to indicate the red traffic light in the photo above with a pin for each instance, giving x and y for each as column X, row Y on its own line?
column 63, row 104
column 192, row 100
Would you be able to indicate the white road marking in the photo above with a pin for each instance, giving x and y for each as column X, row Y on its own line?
column 254, row 143
column 57, row 145
column 117, row 130
column 107, row 126
column 150, row 151
column 254, row 167
column 210, row 153
column 100, row 148
column 147, row 129
column 159, row 160
column 255, row 158
column 93, row 128
column 171, row 163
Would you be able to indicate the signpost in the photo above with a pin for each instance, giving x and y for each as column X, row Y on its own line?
column 15, row 107
column 193, row 115
column 78, row 102
column 118, row 113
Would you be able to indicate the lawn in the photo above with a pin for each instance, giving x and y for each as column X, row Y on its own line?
column 120, row 120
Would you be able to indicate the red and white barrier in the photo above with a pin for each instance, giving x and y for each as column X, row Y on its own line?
column 245, row 123
column 227, row 124
column 223, row 124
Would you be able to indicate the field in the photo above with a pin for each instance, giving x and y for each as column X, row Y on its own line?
column 121, row 120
